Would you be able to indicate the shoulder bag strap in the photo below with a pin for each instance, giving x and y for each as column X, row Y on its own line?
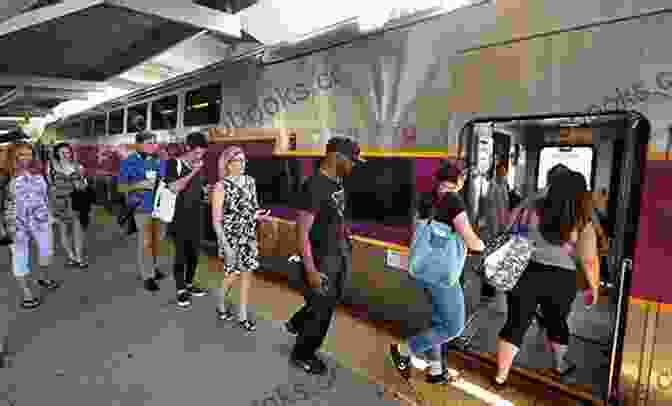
column 517, row 220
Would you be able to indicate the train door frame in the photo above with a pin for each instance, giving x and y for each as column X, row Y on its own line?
column 636, row 139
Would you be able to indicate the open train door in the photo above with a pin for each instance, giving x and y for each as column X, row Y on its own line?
column 630, row 171
column 627, row 134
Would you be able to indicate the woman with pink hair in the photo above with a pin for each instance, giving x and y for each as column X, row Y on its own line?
column 235, row 209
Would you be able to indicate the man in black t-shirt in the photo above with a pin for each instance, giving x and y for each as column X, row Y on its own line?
column 186, row 227
column 325, row 250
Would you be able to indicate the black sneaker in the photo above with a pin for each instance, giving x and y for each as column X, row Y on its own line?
column 150, row 285
column 48, row 284
column 198, row 292
column 30, row 303
column 289, row 327
column 183, row 299
column 225, row 315
column 312, row 365
column 401, row 362
column 443, row 378
column 158, row 275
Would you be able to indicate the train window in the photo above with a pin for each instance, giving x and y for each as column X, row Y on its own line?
column 203, row 106
column 134, row 112
column 578, row 159
column 164, row 113
column 99, row 126
column 116, row 122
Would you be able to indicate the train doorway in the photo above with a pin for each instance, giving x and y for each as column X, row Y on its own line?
column 609, row 150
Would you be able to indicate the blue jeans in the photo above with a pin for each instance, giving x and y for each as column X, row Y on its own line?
column 448, row 315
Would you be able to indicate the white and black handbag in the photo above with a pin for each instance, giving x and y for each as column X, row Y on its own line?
column 506, row 257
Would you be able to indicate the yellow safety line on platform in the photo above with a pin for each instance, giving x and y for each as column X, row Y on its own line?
column 308, row 153
column 384, row 244
column 651, row 305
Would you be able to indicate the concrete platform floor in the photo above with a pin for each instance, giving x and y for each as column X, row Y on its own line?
column 101, row 339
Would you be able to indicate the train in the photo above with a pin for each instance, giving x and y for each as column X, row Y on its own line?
column 534, row 83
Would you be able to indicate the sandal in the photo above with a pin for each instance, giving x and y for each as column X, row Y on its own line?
column 247, row 325
column 83, row 264
column 30, row 303
column 498, row 385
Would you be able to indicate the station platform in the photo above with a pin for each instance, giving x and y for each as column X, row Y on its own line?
column 101, row 339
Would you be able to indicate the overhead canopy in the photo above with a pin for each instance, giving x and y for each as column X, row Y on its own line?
column 56, row 51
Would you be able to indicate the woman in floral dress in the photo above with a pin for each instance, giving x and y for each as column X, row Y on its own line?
column 235, row 209
column 27, row 219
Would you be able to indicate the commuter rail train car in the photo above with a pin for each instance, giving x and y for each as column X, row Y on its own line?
column 585, row 83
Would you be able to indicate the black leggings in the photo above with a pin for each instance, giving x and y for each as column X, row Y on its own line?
column 552, row 288
column 186, row 261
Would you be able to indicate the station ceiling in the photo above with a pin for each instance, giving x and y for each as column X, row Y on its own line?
column 55, row 51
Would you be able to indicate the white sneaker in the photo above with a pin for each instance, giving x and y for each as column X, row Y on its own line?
column 419, row 362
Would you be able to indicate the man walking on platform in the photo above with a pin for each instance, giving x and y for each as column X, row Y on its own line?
column 325, row 249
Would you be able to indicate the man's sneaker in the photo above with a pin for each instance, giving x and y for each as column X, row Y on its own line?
column 289, row 327
column 48, row 284
column 150, row 285
column 444, row 378
column 32, row 303
column 183, row 299
column 198, row 292
column 158, row 275
column 312, row 365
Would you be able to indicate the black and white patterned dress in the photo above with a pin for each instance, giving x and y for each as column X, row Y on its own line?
column 239, row 224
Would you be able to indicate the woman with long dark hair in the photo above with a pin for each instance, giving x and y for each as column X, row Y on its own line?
column 448, row 311
column 67, row 176
column 560, row 225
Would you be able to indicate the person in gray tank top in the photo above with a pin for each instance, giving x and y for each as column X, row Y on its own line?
column 561, row 226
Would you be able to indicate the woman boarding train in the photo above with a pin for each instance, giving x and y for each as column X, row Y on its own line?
column 448, row 307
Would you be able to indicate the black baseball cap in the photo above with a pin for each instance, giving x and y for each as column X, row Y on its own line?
column 197, row 140
column 144, row 136
column 345, row 146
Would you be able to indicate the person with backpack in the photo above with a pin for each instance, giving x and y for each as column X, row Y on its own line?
column 137, row 178
column 438, row 253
